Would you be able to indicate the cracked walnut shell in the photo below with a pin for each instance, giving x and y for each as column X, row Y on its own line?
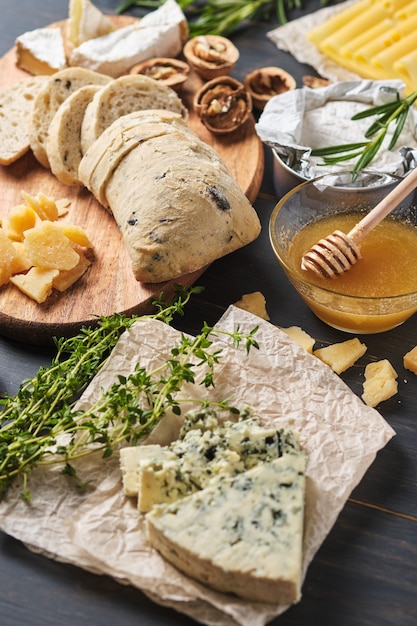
column 171, row 72
column 267, row 82
column 223, row 104
column 211, row 55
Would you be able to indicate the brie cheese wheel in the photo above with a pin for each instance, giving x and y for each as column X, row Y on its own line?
column 160, row 33
column 86, row 22
column 41, row 51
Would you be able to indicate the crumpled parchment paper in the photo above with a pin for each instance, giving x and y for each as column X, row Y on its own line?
column 101, row 530
column 294, row 122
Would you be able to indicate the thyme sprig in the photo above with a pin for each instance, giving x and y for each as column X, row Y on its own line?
column 42, row 424
column 222, row 17
column 386, row 114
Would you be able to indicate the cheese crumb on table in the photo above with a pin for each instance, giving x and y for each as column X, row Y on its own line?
column 380, row 382
column 253, row 303
column 341, row 356
column 410, row 360
column 301, row 337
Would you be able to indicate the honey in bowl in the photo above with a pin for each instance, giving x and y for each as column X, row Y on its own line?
column 379, row 291
column 388, row 266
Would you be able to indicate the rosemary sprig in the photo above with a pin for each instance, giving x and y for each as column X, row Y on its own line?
column 222, row 17
column 386, row 114
column 41, row 424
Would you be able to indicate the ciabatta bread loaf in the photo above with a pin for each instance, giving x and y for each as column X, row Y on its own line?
column 63, row 144
column 118, row 139
column 53, row 93
column 16, row 104
column 123, row 96
column 176, row 203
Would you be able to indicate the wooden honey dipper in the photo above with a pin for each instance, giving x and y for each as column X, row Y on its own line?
column 338, row 252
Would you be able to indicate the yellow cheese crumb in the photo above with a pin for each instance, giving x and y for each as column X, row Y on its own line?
column 21, row 218
column 410, row 360
column 301, row 337
column 253, row 303
column 341, row 356
column 380, row 382
column 42, row 205
column 8, row 255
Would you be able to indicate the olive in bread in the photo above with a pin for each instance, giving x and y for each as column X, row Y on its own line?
column 123, row 96
column 56, row 89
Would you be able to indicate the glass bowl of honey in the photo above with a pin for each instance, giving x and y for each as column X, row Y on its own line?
column 379, row 292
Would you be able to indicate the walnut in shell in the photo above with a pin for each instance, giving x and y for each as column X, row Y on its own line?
column 171, row 72
column 223, row 104
column 266, row 82
column 211, row 55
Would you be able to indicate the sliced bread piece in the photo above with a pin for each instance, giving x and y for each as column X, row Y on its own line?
column 242, row 535
column 16, row 104
column 63, row 144
column 122, row 96
column 103, row 156
column 53, row 93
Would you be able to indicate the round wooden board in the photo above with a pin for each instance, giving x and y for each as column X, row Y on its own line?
column 108, row 286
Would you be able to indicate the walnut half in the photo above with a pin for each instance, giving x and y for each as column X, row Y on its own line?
column 267, row 82
column 171, row 72
column 223, row 104
column 211, row 55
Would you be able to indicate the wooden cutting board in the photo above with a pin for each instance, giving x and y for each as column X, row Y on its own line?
column 108, row 286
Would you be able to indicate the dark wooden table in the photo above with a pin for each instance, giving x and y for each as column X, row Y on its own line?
column 365, row 574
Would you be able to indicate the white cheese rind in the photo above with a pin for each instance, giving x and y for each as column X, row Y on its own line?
column 41, row 51
column 242, row 535
column 160, row 33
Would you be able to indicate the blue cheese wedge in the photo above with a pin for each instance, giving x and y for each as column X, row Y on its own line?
column 242, row 535
column 41, row 51
column 160, row 33
column 205, row 452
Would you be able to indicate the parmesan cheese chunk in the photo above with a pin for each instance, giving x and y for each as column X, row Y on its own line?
column 301, row 337
column 380, row 382
column 410, row 360
column 341, row 356
column 253, row 303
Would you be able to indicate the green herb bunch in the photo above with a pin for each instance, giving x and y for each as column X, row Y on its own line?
column 222, row 17
column 395, row 112
column 41, row 424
